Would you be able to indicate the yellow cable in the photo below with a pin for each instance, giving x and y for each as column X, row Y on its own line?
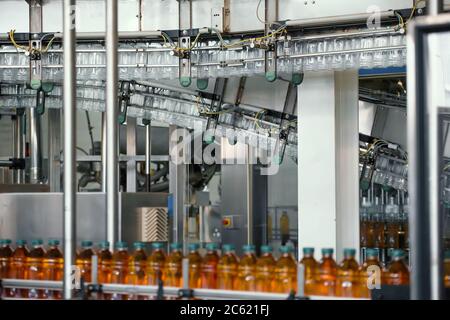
column 15, row 44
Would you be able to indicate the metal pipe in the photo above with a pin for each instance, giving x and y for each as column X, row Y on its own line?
column 19, row 145
column 148, row 155
column 335, row 19
column 120, row 35
column 112, row 181
column 435, row 7
column 32, row 284
column 34, row 124
column 104, row 148
column 69, row 217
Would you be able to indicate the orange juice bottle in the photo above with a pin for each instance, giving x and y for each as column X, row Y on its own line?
column 285, row 272
column 156, row 264
column 227, row 268
column 398, row 272
column 310, row 266
column 104, row 266
column 5, row 262
column 84, row 260
column 447, row 269
column 195, row 264
column 246, row 276
column 209, row 267
column 120, row 262
column 367, row 277
column 53, row 267
column 173, row 266
column 18, row 267
column 265, row 267
column 136, row 270
column 326, row 278
column 34, row 268
column 347, row 280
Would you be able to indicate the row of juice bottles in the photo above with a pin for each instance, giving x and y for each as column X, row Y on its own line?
column 212, row 271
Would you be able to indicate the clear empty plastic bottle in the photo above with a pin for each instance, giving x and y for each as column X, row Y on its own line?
column 53, row 267
column 310, row 266
column 348, row 280
column 227, row 268
column 326, row 280
column 285, row 272
column 265, row 267
column 209, row 267
column 246, row 277
column 173, row 266
column 84, row 260
column 156, row 264
column 34, row 269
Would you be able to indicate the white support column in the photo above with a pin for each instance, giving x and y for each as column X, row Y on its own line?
column 328, row 161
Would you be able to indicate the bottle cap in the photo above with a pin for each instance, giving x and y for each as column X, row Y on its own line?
column 447, row 255
column 398, row 253
column 193, row 246
column 176, row 246
column 103, row 245
column 211, row 246
column 248, row 248
column 53, row 242
column 266, row 249
column 139, row 245
column 37, row 242
column 121, row 245
column 327, row 251
column 372, row 253
column 5, row 242
column 21, row 242
column 348, row 252
column 286, row 249
column 308, row 251
column 86, row 243
column 157, row 245
column 227, row 247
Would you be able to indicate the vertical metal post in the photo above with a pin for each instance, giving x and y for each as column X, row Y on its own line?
column 148, row 155
column 54, row 149
column 112, row 181
column 131, row 153
column 271, row 15
column 185, row 25
column 34, row 118
column 435, row 7
column 104, row 152
column 19, row 144
column 69, row 145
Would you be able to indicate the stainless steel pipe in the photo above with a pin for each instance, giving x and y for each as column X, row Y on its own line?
column 69, row 146
column 112, row 112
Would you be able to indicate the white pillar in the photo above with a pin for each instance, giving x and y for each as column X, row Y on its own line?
column 328, row 174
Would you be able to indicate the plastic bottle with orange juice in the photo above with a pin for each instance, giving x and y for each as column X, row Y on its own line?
column 53, row 267
column 265, row 267
column 246, row 276
column 227, row 268
column 285, row 272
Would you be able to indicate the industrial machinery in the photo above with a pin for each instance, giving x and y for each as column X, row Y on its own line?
column 203, row 121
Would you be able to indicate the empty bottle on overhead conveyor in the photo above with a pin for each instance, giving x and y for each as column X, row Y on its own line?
column 404, row 226
column 326, row 278
column 5, row 261
column 173, row 271
column 370, row 273
column 246, row 276
column 18, row 267
column 120, row 263
column 366, row 230
column 156, row 264
column 104, row 266
column 209, row 267
column 284, row 228
column 35, row 268
column 310, row 266
column 447, row 269
column 84, row 260
column 265, row 267
column 53, row 267
column 285, row 272
column 348, row 280
column 397, row 272
column 378, row 222
column 227, row 268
